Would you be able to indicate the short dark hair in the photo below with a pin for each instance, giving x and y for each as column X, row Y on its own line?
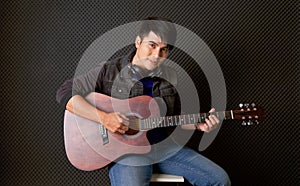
column 162, row 27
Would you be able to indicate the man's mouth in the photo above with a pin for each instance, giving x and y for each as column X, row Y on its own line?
column 154, row 62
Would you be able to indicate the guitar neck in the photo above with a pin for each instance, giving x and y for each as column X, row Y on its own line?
column 168, row 121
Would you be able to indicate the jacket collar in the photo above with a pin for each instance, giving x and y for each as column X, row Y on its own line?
column 127, row 59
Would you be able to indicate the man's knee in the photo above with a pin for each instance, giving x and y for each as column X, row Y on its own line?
column 223, row 179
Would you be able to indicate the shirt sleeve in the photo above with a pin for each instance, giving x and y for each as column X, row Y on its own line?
column 80, row 85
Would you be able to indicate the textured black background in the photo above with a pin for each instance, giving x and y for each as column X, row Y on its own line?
column 255, row 42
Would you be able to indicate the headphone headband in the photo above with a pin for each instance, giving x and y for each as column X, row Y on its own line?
column 136, row 70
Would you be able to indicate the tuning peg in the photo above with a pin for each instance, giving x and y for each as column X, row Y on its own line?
column 254, row 106
column 247, row 105
column 241, row 105
column 250, row 122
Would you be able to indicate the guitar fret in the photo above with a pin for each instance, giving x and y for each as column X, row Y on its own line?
column 166, row 122
column 174, row 121
column 142, row 125
column 163, row 122
column 169, row 121
column 181, row 120
column 147, row 123
column 152, row 123
column 159, row 122
column 177, row 118
column 192, row 119
column 185, row 119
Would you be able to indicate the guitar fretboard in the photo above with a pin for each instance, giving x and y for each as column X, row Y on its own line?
column 168, row 121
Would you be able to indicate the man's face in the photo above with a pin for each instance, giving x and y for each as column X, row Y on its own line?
column 151, row 52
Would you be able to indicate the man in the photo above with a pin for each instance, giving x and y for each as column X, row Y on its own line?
column 143, row 73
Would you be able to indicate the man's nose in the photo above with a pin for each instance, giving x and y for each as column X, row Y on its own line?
column 156, row 52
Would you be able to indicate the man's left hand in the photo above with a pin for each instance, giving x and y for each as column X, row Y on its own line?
column 211, row 123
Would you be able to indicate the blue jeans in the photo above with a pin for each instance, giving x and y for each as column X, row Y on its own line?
column 136, row 170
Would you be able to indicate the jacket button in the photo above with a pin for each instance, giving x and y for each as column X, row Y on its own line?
column 120, row 90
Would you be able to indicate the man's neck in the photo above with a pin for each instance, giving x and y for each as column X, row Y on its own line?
column 136, row 61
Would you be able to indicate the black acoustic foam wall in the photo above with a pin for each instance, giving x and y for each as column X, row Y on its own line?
column 256, row 44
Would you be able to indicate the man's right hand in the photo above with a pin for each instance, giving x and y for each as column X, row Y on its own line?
column 115, row 122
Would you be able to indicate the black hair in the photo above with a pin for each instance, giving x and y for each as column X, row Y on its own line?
column 162, row 27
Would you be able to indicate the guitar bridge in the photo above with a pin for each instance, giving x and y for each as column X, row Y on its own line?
column 103, row 132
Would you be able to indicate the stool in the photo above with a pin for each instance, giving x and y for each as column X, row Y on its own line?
column 166, row 178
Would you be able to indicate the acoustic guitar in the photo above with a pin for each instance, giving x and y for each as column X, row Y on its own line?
column 90, row 146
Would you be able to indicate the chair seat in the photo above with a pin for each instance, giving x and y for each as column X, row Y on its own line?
column 166, row 178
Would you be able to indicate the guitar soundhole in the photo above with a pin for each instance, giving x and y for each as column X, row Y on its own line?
column 131, row 132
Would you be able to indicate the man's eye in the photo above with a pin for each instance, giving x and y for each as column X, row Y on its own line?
column 165, row 50
column 152, row 45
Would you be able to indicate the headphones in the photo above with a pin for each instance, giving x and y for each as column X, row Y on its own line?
column 137, row 71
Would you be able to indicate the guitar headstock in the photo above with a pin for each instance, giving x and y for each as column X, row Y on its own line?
column 249, row 114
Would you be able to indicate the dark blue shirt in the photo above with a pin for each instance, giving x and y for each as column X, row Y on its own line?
column 154, row 135
column 148, row 85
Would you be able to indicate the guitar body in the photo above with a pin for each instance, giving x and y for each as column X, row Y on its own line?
column 84, row 143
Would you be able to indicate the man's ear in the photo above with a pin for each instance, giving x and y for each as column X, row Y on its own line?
column 138, row 41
